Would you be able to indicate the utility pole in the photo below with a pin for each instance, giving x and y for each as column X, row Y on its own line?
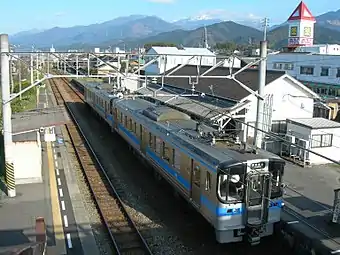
column 31, row 68
column 48, row 63
column 19, row 74
column 258, row 135
column 6, row 115
column 265, row 25
column 37, row 66
column 77, row 64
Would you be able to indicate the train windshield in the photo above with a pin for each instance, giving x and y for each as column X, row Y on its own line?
column 231, row 184
column 276, row 168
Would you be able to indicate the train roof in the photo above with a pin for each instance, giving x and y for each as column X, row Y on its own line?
column 183, row 130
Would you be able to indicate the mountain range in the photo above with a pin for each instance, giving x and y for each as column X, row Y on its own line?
column 135, row 30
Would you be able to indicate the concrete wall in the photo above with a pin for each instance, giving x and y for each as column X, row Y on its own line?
column 27, row 162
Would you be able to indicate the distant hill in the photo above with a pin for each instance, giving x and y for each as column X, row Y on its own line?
column 330, row 20
column 193, row 23
column 135, row 26
column 220, row 32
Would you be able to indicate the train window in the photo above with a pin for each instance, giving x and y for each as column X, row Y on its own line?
column 176, row 158
column 197, row 176
column 208, row 181
column 125, row 121
column 158, row 145
column 230, row 187
column 135, row 127
column 166, row 152
column 121, row 117
column 277, row 170
column 141, row 132
column 150, row 141
column 130, row 124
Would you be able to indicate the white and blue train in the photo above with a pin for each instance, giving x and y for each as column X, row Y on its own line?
column 239, row 192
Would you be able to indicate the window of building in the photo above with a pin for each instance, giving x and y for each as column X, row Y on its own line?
column 324, row 71
column 338, row 73
column 289, row 66
column 277, row 66
column 307, row 70
column 319, row 141
column 279, row 127
column 208, row 181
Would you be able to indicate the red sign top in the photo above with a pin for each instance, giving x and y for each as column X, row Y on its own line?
column 301, row 13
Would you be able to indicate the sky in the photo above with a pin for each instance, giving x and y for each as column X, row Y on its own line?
column 42, row 14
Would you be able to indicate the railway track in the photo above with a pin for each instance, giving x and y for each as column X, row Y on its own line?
column 126, row 238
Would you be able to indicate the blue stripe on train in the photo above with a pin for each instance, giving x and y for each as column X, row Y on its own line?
column 218, row 211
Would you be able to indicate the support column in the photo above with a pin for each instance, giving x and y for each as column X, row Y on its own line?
column 258, row 135
column 6, row 115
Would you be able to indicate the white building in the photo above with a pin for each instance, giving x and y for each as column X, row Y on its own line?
column 28, row 165
column 314, row 70
column 325, row 49
column 317, row 66
column 173, row 56
column 285, row 97
column 109, row 67
column 317, row 134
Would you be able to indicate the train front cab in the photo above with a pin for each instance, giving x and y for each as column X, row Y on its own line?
column 250, row 202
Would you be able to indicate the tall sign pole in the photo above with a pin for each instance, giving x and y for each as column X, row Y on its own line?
column 6, row 115
column 260, row 102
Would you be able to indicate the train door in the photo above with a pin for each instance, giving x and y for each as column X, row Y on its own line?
column 143, row 139
column 195, row 183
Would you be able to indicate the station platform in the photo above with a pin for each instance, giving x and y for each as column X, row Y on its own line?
column 56, row 198
column 309, row 202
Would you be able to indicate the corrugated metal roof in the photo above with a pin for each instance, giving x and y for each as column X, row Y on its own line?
column 316, row 123
column 184, row 51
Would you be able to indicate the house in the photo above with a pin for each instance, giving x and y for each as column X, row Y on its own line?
column 108, row 67
column 316, row 134
column 173, row 56
column 230, row 61
column 285, row 97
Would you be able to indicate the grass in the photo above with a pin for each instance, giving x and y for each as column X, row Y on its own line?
column 28, row 99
